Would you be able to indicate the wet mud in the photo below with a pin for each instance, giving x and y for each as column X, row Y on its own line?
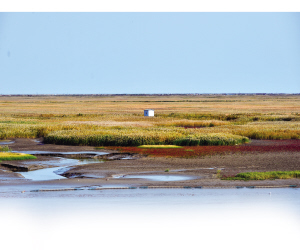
column 108, row 167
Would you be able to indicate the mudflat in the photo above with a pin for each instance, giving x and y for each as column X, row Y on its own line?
column 115, row 169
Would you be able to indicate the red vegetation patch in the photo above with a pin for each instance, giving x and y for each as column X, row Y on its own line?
column 198, row 151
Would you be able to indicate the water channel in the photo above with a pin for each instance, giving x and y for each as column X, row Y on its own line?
column 53, row 168
column 53, row 173
column 5, row 142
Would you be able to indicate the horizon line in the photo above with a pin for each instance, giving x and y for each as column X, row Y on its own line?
column 153, row 94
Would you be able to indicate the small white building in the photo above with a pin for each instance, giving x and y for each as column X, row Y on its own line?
column 148, row 112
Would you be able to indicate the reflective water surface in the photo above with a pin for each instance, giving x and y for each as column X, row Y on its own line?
column 4, row 142
column 53, row 173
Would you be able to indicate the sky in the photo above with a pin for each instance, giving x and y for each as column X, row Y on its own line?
column 149, row 52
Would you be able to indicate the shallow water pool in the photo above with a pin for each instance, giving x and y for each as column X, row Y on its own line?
column 43, row 174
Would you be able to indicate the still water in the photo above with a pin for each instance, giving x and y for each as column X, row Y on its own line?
column 4, row 142
column 151, row 219
column 53, row 173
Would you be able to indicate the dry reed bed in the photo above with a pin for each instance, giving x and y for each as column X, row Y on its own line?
column 119, row 119
column 284, row 104
column 286, row 130
column 141, row 136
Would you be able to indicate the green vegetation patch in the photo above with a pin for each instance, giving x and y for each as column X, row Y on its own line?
column 264, row 175
column 159, row 146
column 8, row 156
column 5, row 149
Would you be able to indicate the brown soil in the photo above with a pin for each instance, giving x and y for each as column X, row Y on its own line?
column 204, row 170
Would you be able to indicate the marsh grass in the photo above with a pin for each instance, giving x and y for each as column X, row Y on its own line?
column 193, row 123
column 119, row 136
column 5, row 149
column 8, row 156
column 116, row 136
column 264, row 175
column 260, row 130
column 211, row 140
column 159, row 146
column 119, row 120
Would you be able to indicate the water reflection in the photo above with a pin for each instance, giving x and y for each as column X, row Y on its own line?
column 53, row 173
column 4, row 142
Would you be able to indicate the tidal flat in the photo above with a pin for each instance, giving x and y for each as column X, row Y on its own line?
column 78, row 192
column 61, row 167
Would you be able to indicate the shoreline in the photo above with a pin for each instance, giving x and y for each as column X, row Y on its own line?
column 203, row 171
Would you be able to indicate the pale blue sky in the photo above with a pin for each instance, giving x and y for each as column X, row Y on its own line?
column 107, row 53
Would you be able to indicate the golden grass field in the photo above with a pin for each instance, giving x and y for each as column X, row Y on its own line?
column 78, row 120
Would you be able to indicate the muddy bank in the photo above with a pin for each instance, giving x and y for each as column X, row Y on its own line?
column 118, row 167
column 37, row 145
column 205, row 170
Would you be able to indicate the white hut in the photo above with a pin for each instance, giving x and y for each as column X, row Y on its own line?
column 148, row 112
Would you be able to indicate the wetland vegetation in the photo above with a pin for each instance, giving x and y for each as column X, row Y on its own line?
column 264, row 175
column 205, row 136
column 7, row 155
column 184, row 120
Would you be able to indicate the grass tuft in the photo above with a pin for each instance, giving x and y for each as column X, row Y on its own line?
column 5, row 149
column 8, row 156
column 264, row 175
